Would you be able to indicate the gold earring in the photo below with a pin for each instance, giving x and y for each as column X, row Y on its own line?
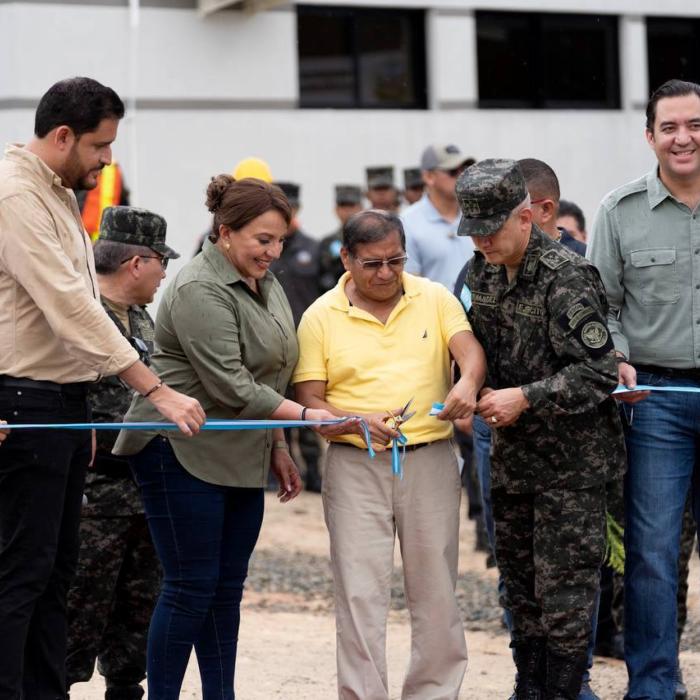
column 227, row 246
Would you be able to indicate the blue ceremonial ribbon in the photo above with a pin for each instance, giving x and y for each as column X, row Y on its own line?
column 211, row 424
column 622, row 389
column 396, row 456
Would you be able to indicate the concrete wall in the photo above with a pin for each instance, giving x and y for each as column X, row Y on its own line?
column 212, row 90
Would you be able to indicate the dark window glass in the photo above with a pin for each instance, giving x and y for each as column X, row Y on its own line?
column 361, row 58
column 547, row 61
column 673, row 49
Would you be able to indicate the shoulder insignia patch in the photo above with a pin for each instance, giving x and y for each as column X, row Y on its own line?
column 553, row 259
column 594, row 335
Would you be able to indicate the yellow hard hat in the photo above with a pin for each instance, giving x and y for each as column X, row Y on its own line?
column 252, row 167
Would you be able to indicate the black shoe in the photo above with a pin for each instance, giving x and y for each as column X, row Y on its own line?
column 529, row 656
column 681, row 692
column 612, row 647
column 564, row 676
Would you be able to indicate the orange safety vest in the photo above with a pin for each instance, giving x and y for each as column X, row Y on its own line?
column 108, row 193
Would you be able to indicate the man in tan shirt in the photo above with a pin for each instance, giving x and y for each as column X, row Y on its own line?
column 55, row 338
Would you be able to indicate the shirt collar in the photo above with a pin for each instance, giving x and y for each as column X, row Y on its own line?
column 656, row 190
column 433, row 215
column 227, row 272
column 18, row 153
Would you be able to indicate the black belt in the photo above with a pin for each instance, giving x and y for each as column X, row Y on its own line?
column 671, row 372
column 408, row 448
column 74, row 389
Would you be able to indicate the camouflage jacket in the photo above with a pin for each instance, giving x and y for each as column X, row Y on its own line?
column 546, row 332
column 109, row 487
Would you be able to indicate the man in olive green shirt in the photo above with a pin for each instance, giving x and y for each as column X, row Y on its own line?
column 646, row 245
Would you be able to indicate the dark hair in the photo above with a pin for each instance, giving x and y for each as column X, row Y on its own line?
column 79, row 103
column 671, row 88
column 109, row 255
column 236, row 203
column 371, row 226
column 567, row 208
column 542, row 182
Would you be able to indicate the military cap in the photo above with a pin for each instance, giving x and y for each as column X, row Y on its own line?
column 412, row 178
column 487, row 192
column 380, row 176
column 135, row 227
column 442, row 157
column 291, row 191
column 348, row 194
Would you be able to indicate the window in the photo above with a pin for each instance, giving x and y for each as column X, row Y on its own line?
column 547, row 61
column 673, row 49
column 361, row 58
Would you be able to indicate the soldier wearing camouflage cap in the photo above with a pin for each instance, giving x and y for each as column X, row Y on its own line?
column 381, row 190
column 413, row 185
column 348, row 202
column 539, row 311
column 117, row 581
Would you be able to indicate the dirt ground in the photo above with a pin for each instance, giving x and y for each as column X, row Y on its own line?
column 291, row 655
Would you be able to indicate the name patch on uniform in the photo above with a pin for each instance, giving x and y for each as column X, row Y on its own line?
column 484, row 298
column 529, row 310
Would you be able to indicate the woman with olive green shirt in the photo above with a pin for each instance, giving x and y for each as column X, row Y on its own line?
column 234, row 350
column 225, row 335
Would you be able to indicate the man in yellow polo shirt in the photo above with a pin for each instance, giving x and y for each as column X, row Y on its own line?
column 376, row 340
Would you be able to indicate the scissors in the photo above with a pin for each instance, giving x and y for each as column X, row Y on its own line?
column 397, row 419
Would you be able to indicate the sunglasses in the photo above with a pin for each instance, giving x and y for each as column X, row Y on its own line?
column 394, row 263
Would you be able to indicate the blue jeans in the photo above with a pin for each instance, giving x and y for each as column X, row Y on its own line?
column 662, row 448
column 204, row 535
column 482, row 457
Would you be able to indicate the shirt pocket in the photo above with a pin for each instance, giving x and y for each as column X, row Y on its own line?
column 657, row 275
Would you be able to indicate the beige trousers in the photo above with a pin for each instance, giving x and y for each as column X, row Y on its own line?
column 365, row 507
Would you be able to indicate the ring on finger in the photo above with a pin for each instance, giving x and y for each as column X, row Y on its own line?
column 494, row 419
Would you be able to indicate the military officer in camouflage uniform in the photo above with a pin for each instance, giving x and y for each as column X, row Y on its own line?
column 117, row 582
column 539, row 311
column 348, row 202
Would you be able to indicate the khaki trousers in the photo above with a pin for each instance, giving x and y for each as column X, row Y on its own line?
column 365, row 507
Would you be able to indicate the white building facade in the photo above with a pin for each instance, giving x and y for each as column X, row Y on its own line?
column 204, row 90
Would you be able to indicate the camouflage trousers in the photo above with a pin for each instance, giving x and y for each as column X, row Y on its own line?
column 549, row 549
column 111, row 600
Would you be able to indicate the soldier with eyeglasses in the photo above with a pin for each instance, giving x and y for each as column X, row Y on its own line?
column 116, row 585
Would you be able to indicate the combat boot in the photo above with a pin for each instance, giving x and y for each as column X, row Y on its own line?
column 529, row 656
column 564, row 676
